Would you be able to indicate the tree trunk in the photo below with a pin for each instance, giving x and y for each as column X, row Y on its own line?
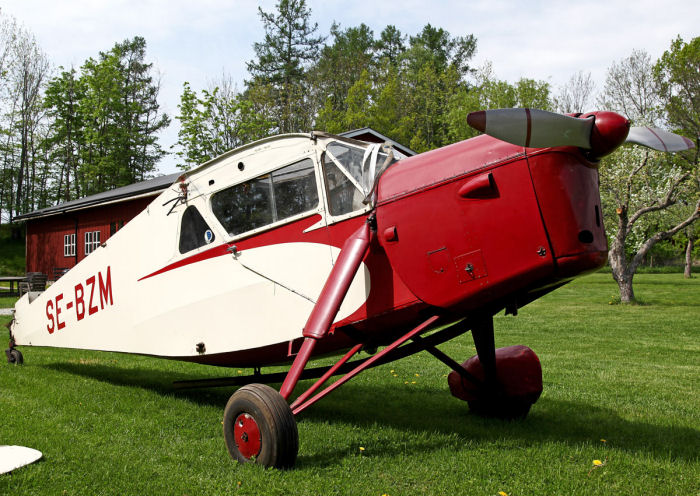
column 623, row 277
column 626, row 289
column 622, row 271
column 689, row 257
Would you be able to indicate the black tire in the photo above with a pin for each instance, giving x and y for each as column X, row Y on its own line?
column 14, row 357
column 501, row 408
column 266, row 433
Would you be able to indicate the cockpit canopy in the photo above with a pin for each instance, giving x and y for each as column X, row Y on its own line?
column 277, row 181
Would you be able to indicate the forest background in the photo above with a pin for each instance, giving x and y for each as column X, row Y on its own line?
column 70, row 132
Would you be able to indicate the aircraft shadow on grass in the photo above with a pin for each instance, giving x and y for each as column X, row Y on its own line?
column 420, row 409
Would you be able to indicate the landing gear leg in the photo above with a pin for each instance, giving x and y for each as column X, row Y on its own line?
column 14, row 356
column 493, row 399
column 258, row 422
column 482, row 332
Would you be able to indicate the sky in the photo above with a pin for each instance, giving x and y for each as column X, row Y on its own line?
column 197, row 41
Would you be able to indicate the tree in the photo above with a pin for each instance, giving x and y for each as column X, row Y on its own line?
column 66, row 138
column 25, row 68
column 218, row 121
column 282, row 58
column 401, row 91
column 576, row 95
column 639, row 187
column 338, row 68
column 677, row 75
column 390, row 45
column 489, row 92
column 437, row 46
column 431, row 72
column 106, row 121
column 692, row 234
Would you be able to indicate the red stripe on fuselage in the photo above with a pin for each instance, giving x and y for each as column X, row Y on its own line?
column 217, row 251
column 288, row 233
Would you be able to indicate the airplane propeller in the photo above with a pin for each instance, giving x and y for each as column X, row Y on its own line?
column 600, row 132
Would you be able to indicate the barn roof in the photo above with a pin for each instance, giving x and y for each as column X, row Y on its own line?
column 143, row 188
column 156, row 185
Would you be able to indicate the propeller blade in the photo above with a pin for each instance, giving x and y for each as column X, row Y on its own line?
column 658, row 139
column 533, row 127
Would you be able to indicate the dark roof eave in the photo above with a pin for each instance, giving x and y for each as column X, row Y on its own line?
column 114, row 196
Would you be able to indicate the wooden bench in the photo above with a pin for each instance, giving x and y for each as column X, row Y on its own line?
column 35, row 281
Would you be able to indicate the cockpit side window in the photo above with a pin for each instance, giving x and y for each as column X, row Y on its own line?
column 194, row 231
column 351, row 172
column 343, row 195
column 267, row 199
column 349, row 157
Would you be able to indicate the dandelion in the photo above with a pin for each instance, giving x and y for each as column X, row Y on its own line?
column 413, row 382
column 603, row 441
column 502, row 493
column 240, row 371
column 362, row 448
column 596, row 464
column 392, row 371
column 417, row 375
column 405, row 382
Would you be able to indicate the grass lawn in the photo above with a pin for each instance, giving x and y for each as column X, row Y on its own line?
column 622, row 386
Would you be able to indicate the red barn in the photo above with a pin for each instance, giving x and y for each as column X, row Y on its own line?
column 61, row 236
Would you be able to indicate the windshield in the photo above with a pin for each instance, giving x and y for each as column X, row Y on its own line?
column 351, row 172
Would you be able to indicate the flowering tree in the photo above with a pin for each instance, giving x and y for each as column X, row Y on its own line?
column 648, row 196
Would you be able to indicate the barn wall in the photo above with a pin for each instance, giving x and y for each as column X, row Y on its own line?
column 45, row 235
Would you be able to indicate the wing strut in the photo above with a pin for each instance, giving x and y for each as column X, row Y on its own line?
column 329, row 301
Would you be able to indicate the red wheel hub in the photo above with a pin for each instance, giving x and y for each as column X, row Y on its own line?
column 247, row 435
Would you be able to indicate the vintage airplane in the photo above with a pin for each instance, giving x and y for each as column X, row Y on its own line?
column 304, row 245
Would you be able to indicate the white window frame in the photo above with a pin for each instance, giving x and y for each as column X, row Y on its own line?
column 69, row 245
column 92, row 241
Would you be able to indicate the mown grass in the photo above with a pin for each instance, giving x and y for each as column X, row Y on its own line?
column 629, row 375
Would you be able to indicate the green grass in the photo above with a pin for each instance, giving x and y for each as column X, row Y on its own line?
column 112, row 424
column 7, row 301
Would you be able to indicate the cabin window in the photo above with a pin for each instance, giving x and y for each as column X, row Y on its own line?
column 342, row 169
column 269, row 198
column 194, row 230
column 69, row 245
column 92, row 241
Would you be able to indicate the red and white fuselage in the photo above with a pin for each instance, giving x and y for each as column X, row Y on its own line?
column 475, row 224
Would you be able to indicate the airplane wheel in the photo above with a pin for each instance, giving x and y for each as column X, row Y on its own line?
column 14, row 356
column 502, row 408
column 259, row 426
